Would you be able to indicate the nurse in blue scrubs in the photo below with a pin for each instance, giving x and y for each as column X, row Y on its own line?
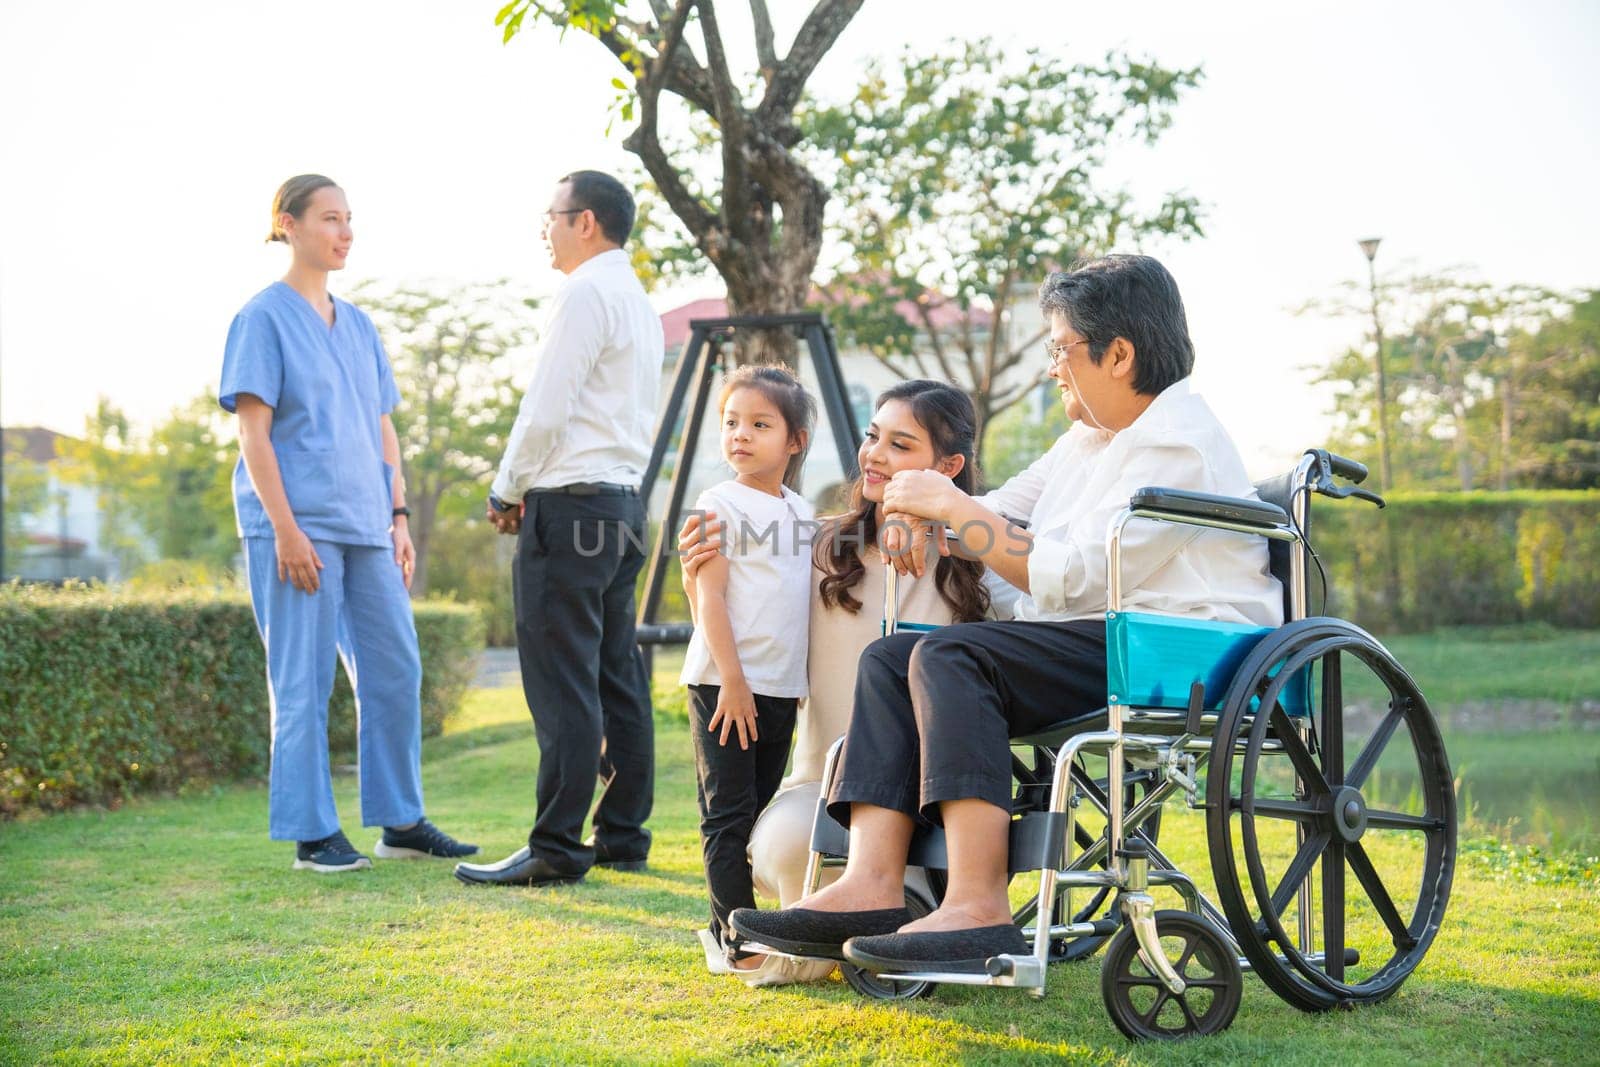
column 321, row 509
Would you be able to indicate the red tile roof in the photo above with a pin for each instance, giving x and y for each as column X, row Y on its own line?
column 675, row 323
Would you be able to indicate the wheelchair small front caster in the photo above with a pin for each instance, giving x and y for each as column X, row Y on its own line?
column 870, row 985
column 1140, row 1003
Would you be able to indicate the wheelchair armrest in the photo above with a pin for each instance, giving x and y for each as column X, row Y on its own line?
column 1184, row 503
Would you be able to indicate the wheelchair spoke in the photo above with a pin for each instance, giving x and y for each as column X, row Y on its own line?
column 1298, row 870
column 1332, row 720
column 1394, row 820
column 1298, row 810
column 1333, row 911
column 1379, row 895
column 1295, row 749
column 1149, row 1017
column 1188, row 953
column 1188, row 1013
column 1373, row 749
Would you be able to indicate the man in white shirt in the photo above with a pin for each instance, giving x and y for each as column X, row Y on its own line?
column 568, row 487
column 929, row 735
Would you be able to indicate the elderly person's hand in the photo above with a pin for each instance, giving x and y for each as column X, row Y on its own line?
column 917, row 506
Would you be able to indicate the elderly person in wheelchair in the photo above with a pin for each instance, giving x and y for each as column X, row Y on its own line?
column 929, row 737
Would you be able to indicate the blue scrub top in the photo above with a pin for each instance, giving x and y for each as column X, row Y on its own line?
column 327, row 388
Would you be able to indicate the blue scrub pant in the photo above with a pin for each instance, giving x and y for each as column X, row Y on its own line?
column 361, row 612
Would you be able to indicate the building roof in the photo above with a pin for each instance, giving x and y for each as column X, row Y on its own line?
column 37, row 443
column 942, row 313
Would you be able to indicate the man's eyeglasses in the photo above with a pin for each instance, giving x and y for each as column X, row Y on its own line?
column 1058, row 352
column 550, row 216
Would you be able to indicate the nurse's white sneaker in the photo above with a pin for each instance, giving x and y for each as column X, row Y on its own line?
column 331, row 855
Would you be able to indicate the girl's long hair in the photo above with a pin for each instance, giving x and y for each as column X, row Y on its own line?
column 799, row 410
column 945, row 412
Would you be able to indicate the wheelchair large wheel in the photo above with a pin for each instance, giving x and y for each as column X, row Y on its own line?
column 1140, row 1003
column 1328, row 761
column 870, row 985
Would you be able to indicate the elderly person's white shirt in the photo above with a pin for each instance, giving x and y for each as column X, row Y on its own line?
column 1070, row 495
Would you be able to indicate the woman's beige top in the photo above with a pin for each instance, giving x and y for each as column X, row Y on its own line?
column 837, row 640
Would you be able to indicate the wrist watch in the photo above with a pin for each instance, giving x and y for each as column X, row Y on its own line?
column 498, row 504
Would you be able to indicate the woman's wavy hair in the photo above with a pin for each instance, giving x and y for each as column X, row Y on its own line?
column 945, row 412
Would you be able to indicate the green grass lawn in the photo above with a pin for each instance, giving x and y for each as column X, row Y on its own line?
column 174, row 931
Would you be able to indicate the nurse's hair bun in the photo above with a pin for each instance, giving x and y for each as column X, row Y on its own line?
column 294, row 196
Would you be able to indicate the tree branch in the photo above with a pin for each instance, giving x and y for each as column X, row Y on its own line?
column 820, row 30
column 924, row 313
column 730, row 116
column 766, row 51
column 681, row 75
column 646, row 144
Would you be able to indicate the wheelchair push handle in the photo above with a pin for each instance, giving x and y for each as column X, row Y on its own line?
column 1326, row 466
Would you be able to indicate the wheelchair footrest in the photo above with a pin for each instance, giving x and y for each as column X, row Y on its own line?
column 1024, row 972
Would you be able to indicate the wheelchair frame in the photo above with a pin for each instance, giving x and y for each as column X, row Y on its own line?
column 1177, row 743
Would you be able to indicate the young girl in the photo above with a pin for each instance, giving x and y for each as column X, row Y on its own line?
column 321, row 509
column 746, row 664
column 917, row 425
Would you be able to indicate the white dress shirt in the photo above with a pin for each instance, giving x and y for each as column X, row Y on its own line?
column 769, row 543
column 1070, row 495
column 589, row 412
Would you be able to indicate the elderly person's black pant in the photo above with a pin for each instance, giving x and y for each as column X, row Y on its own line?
column 934, row 713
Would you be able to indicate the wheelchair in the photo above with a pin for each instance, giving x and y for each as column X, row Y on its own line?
column 1328, row 801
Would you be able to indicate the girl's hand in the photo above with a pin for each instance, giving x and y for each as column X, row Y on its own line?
column 698, row 542
column 405, row 553
column 297, row 560
column 736, row 710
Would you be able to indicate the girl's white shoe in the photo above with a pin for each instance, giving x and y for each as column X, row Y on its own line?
column 716, row 958
column 782, row 970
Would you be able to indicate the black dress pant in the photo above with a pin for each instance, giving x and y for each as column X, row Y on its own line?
column 735, row 785
column 582, row 673
column 934, row 713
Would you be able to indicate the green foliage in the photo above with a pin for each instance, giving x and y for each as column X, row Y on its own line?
column 1489, row 387
column 1463, row 559
column 27, row 487
column 451, row 352
column 167, row 494
column 1530, row 864
column 966, row 176
column 1017, row 438
column 104, row 693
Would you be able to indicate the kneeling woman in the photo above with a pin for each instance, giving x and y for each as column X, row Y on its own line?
column 321, row 508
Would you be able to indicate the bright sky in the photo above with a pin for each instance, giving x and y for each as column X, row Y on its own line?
column 142, row 144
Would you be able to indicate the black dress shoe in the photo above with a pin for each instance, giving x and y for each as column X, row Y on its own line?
column 604, row 857
column 522, row 867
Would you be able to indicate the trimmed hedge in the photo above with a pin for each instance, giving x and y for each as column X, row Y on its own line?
column 1462, row 559
column 104, row 694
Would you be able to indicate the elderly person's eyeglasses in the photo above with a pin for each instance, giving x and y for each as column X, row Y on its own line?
column 1058, row 352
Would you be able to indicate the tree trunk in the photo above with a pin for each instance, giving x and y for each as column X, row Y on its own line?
column 424, row 513
column 1508, row 400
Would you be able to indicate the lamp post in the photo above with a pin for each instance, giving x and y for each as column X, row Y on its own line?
column 1369, row 248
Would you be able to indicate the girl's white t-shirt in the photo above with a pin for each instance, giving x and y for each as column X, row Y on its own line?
column 768, row 543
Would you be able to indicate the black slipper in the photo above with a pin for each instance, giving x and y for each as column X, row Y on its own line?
column 951, row 951
column 821, row 934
